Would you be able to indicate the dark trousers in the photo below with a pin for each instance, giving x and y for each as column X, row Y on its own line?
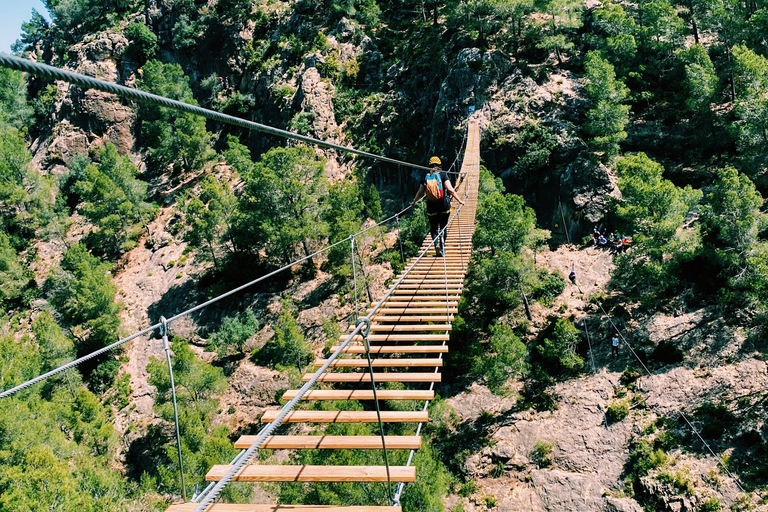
column 437, row 222
column 614, row 350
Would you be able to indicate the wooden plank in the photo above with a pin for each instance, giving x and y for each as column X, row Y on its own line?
column 423, row 308
column 285, row 473
column 236, row 507
column 412, row 318
column 378, row 377
column 420, row 328
column 395, row 349
column 436, row 286
column 361, row 394
column 433, row 296
column 332, row 442
column 399, row 337
column 347, row 416
column 381, row 362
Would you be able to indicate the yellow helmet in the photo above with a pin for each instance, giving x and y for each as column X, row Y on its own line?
column 435, row 161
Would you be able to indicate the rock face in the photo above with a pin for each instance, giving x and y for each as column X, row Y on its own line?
column 530, row 121
column 81, row 118
column 472, row 82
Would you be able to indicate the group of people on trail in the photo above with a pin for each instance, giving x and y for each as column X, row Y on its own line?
column 437, row 187
column 614, row 242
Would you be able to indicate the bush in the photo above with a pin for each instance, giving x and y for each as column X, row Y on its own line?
column 558, row 350
column 234, row 332
column 542, row 453
column 143, row 43
column 506, row 359
column 711, row 505
column 287, row 347
column 616, row 412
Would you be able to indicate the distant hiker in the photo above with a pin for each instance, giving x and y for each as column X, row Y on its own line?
column 572, row 276
column 615, row 345
column 433, row 185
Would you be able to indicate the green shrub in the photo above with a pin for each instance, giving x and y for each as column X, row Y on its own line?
column 558, row 350
column 468, row 488
column 616, row 412
column 143, row 43
column 542, row 453
column 287, row 348
column 711, row 505
column 234, row 332
column 505, row 359
column 680, row 480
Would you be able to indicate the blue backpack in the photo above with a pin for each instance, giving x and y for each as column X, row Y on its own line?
column 434, row 187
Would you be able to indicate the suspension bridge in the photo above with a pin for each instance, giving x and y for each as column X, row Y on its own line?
column 406, row 329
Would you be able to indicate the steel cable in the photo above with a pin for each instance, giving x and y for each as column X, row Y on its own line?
column 51, row 72
column 158, row 325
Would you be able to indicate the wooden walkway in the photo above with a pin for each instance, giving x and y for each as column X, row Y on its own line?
column 409, row 331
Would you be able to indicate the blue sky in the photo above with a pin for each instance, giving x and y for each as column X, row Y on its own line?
column 15, row 12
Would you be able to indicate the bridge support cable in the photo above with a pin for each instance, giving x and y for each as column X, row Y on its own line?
column 365, row 332
column 88, row 82
column 470, row 167
column 167, row 348
column 158, row 326
column 412, row 309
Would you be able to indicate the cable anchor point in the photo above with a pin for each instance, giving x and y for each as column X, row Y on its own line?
column 365, row 330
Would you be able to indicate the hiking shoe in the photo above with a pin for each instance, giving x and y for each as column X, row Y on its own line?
column 438, row 251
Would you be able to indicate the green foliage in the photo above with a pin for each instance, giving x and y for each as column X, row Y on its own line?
column 608, row 116
column 33, row 32
column 558, row 350
column 25, row 204
column 143, row 43
column 281, row 203
column 413, row 229
column 234, row 332
column 72, row 19
column 751, row 77
column 711, row 505
column 14, row 108
column 173, row 140
column 616, row 412
column 642, row 459
column 505, row 224
column 54, row 346
column 505, row 359
column 654, row 209
column 57, row 455
column 210, row 216
column 287, row 348
column 732, row 219
column 16, row 280
column 342, row 212
column 542, row 453
column 427, row 492
column 114, row 200
column 701, row 82
column 197, row 387
column 83, row 293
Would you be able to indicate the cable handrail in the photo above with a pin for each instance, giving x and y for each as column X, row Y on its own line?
column 243, row 458
column 52, row 72
column 189, row 311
